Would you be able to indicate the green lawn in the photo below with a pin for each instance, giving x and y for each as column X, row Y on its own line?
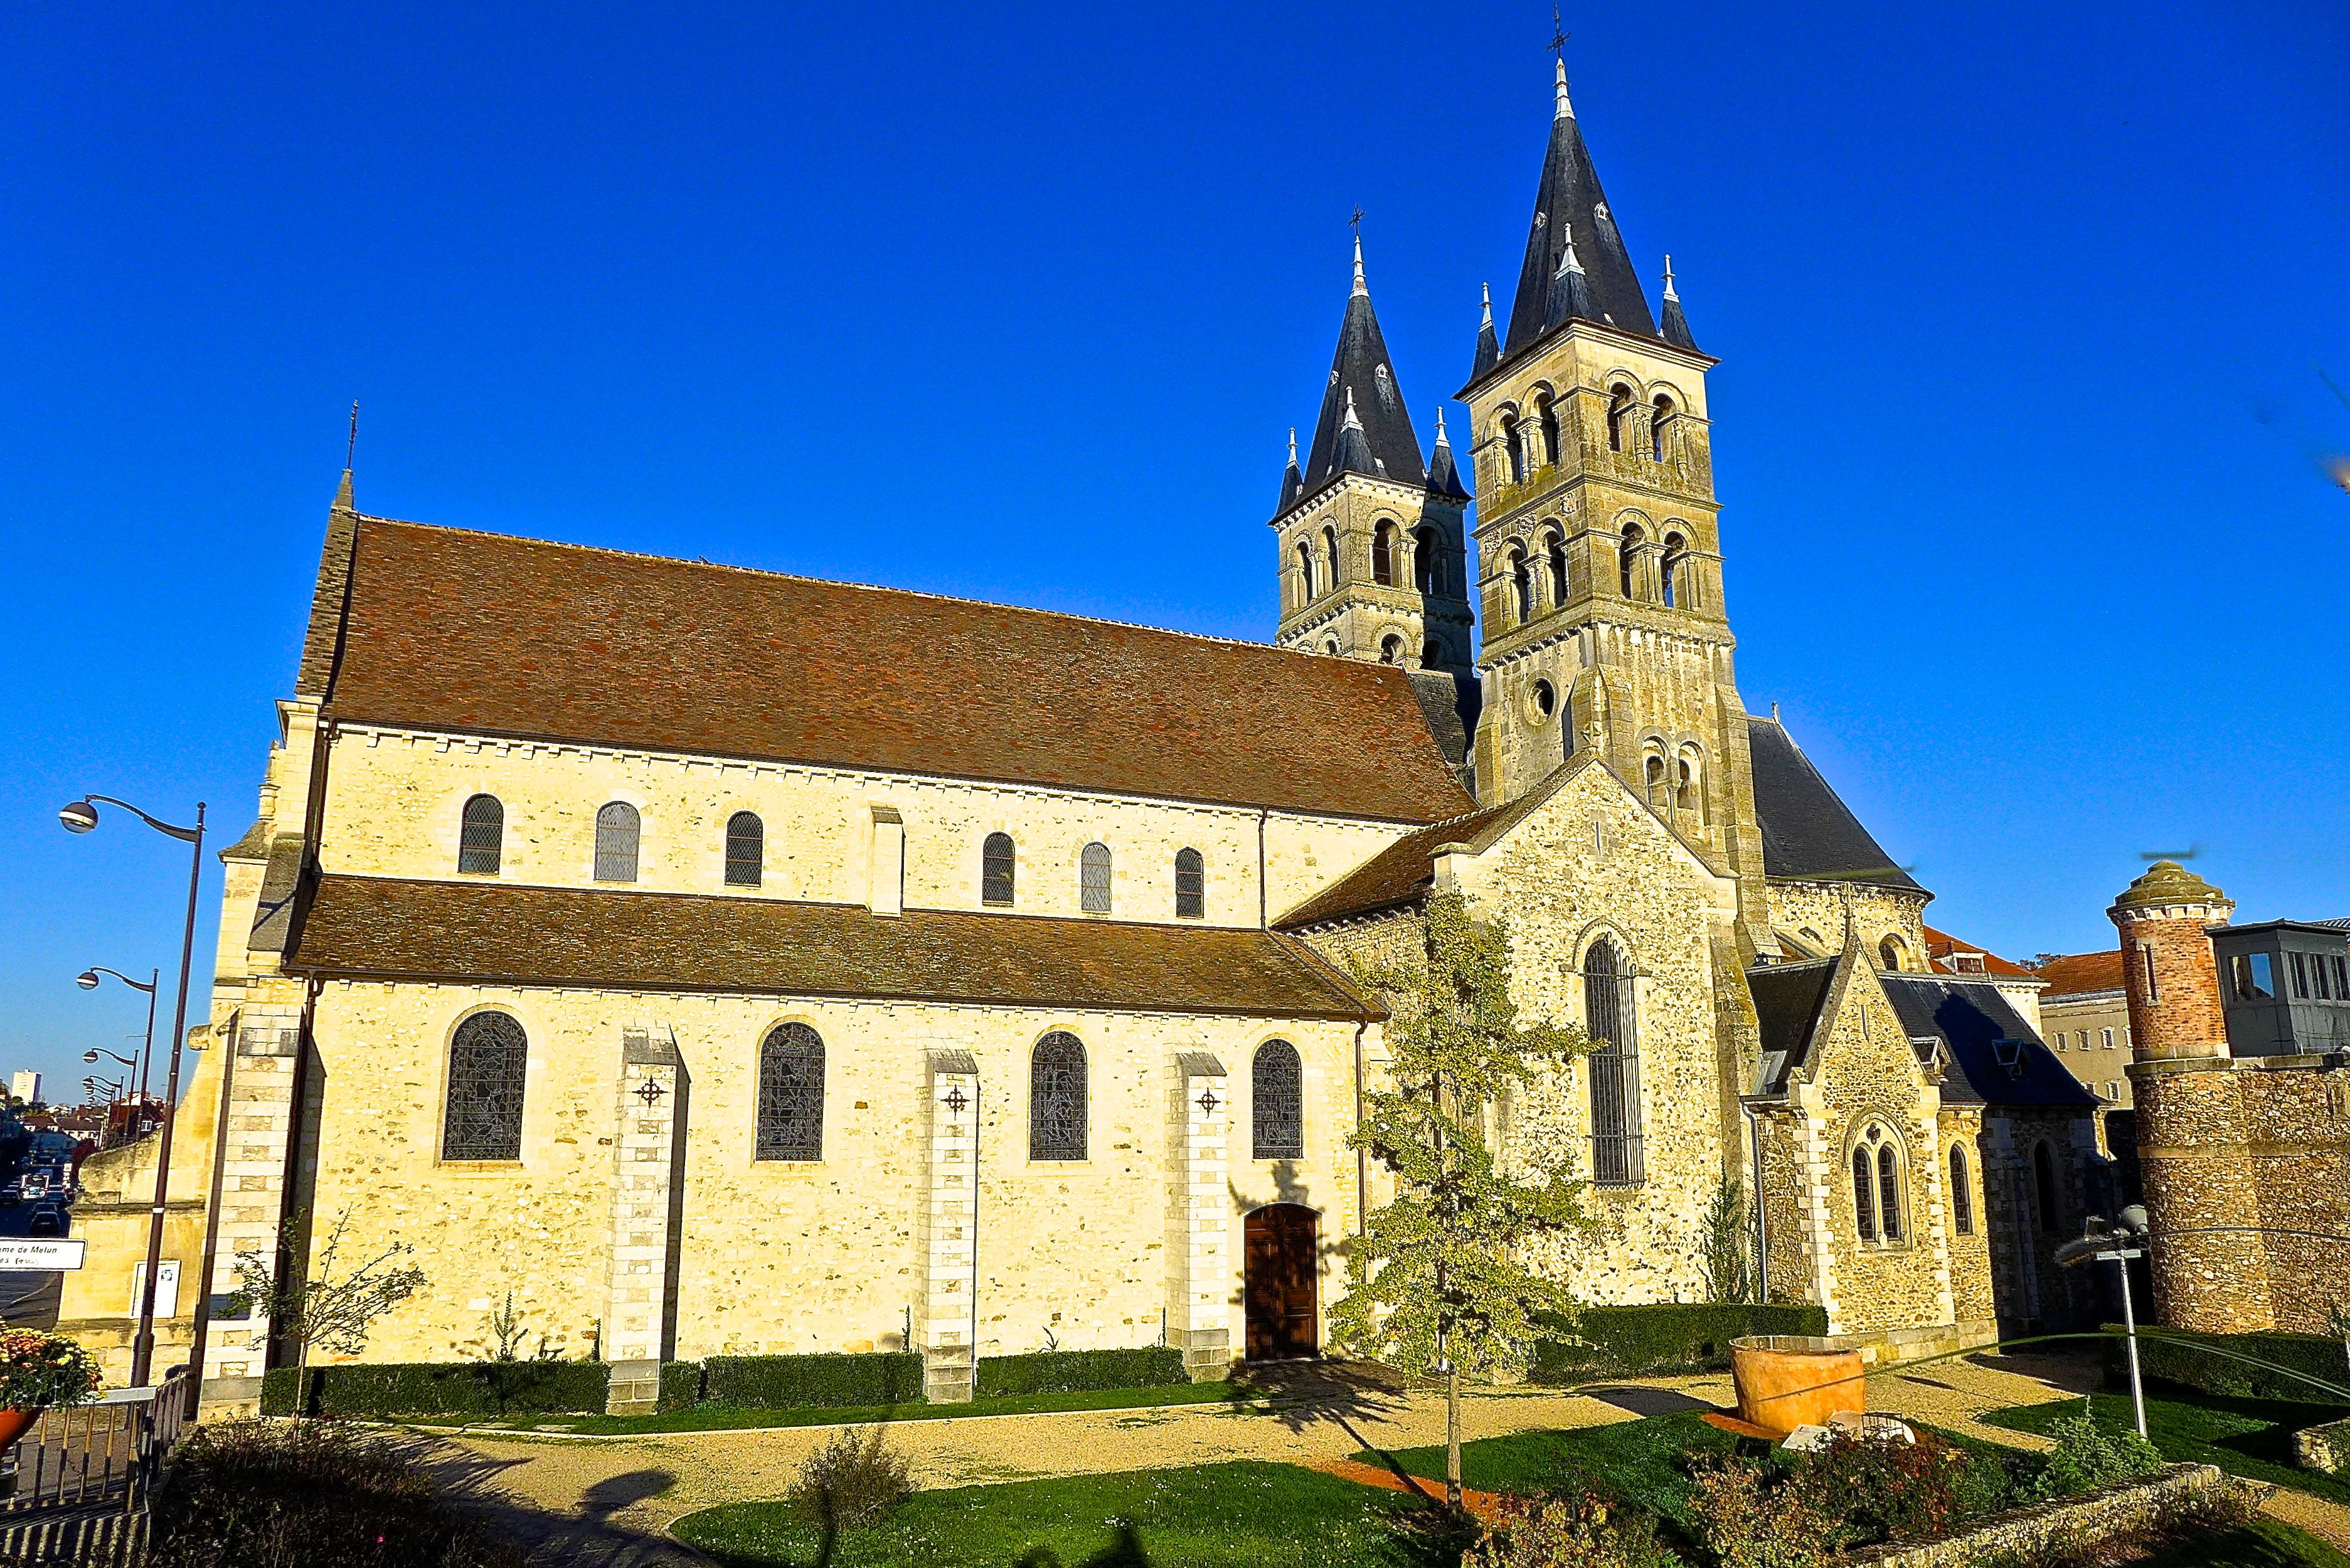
column 2263, row 1544
column 719, row 1418
column 1640, row 1460
column 2250, row 1438
column 1246, row 1513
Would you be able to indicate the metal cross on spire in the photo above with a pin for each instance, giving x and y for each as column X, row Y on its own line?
column 1558, row 35
column 351, row 448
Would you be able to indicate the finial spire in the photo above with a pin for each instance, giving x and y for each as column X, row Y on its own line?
column 1486, row 289
column 1669, row 277
column 1567, row 262
column 1565, row 110
column 1441, row 438
column 1672, row 325
column 1292, row 446
column 1352, row 422
column 1360, row 287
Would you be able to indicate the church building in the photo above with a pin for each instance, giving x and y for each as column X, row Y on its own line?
column 714, row 961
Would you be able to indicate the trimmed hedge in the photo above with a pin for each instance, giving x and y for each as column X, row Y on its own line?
column 1639, row 1341
column 785, row 1382
column 680, row 1385
column 444, row 1388
column 1075, row 1371
column 2189, row 1367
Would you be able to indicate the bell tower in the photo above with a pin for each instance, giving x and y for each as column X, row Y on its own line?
column 1374, row 564
column 1606, row 629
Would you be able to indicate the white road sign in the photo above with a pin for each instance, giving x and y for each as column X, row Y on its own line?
column 17, row 1253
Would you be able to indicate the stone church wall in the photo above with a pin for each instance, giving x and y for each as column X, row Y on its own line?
column 778, row 1257
column 1877, row 912
column 396, row 799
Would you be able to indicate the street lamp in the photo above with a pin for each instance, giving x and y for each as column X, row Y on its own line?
column 80, row 817
column 87, row 980
column 2117, row 1244
column 93, row 1055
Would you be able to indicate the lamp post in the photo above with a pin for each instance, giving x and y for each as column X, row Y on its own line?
column 2117, row 1244
column 87, row 980
column 80, row 817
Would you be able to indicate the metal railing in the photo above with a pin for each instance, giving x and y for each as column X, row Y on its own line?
column 107, row 1454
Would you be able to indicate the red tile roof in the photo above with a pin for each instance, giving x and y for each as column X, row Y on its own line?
column 1940, row 945
column 392, row 929
column 452, row 629
column 2075, row 973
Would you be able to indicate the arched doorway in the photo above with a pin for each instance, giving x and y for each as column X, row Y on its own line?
column 1281, row 1293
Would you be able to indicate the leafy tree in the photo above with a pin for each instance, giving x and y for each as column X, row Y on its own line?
column 1435, row 1286
column 331, row 1310
column 1721, row 1245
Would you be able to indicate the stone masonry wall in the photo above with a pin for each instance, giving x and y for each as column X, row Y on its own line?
column 1877, row 913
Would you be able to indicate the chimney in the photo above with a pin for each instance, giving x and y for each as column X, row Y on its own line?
column 2164, row 919
column 885, row 863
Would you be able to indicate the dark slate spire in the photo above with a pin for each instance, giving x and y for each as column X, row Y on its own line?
column 1570, row 291
column 1675, row 329
column 1362, row 379
column 1292, row 481
column 1489, row 347
column 1443, row 476
column 1353, row 452
column 1570, row 205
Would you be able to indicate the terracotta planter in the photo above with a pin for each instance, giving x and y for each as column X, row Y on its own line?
column 1785, row 1381
column 14, row 1424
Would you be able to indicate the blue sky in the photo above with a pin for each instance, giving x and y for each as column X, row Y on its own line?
column 2020, row 421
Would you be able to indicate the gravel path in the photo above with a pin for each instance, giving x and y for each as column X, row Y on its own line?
column 636, row 1487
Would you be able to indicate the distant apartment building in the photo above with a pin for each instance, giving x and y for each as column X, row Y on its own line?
column 2084, row 1017
column 25, row 1088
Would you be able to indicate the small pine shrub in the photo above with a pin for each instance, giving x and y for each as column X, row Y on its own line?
column 308, row 1494
column 852, row 1481
column 2089, row 1455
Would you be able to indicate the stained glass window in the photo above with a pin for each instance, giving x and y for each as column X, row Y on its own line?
column 486, row 1059
column 791, row 1093
column 1057, row 1098
column 1864, row 1196
column 996, row 869
column 615, row 842
column 1616, row 1153
column 1191, row 885
column 1889, row 1190
column 1093, row 880
column 746, row 849
column 1962, row 1197
column 482, row 836
column 1277, row 1102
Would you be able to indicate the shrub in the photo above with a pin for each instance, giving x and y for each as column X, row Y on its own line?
column 2089, row 1455
column 1750, row 1515
column 279, row 1494
column 785, row 1382
column 1072, row 1371
column 44, row 1371
column 2185, row 1359
column 851, row 1481
column 1639, row 1341
column 443, row 1388
column 680, row 1385
column 1571, row 1531
column 1885, row 1488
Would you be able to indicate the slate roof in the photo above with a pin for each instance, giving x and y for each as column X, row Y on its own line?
column 1967, row 1016
column 386, row 928
column 1361, row 365
column 1452, row 704
column 452, row 629
column 2075, row 974
column 1809, row 834
column 1787, row 1001
column 1569, row 203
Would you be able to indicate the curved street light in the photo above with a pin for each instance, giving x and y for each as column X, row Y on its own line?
column 89, row 980
column 80, row 817
column 96, row 1051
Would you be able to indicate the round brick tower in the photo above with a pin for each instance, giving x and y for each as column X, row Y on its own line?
column 2166, row 919
column 2201, row 1197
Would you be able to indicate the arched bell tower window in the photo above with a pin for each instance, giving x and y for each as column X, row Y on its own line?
column 1392, row 649
column 1383, row 543
column 1554, row 551
column 1548, row 419
column 1653, row 778
column 1514, row 450
column 1689, row 787
column 1619, row 415
column 1425, row 572
column 1330, row 557
column 1675, row 558
column 1628, row 558
column 1432, row 654
column 1521, row 585
column 1660, row 418
column 1616, row 1143
column 1304, row 572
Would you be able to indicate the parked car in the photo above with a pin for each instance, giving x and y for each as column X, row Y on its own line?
column 34, row 1187
column 47, row 1220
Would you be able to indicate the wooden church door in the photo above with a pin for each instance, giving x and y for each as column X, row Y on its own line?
column 1281, row 1283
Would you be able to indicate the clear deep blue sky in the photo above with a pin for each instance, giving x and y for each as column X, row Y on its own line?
column 2021, row 308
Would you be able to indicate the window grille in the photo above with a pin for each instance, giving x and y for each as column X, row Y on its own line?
column 1057, row 1098
column 1962, row 1199
column 615, row 842
column 1616, row 1154
column 791, row 1093
column 1191, row 885
column 1093, row 880
column 1889, row 1191
column 1864, row 1196
column 746, row 849
column 487, row 1057
column 481, row 838
column 996, row 869
column 1277, row 1102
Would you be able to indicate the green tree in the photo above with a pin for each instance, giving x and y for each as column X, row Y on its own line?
column 333, row 1308
column 1721, row 1245
column 1435, row 1283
